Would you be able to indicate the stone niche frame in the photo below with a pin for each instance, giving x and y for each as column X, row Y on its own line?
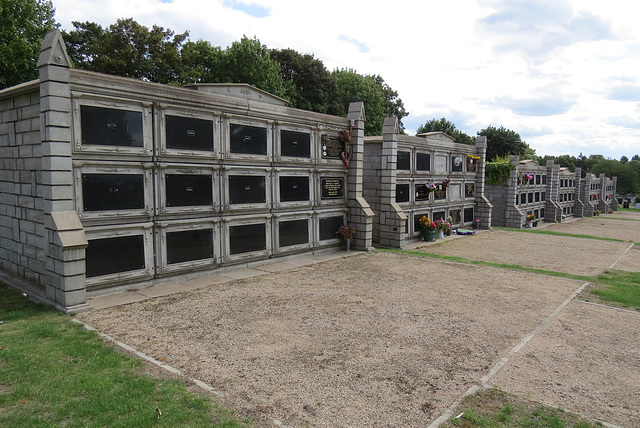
column 313, row 144
column 80, row 99
column 144, row 169
column 327, row 201
column 285, row 217
column 165, row 169
column 229, row 222
column 293, row 172
column 134, row 229
column 228, row 171
column 228, row 120
column 167, row 227
column 182, row 154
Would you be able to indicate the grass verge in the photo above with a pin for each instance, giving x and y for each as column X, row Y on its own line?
column 55, row 373
column 492, row 264
column 618, row 287
column 493, row 408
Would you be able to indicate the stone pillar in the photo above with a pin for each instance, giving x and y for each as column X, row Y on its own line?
column 392, row 219
column 360, row 213
column 614, row 200
column 64, row 258
column 579, row 201
column 553, row 211
column 484, row 209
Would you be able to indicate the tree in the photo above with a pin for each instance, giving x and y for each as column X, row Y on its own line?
column 308, row 83
column 443, row 125
column 248, row 61
column 505, row 142
column 201, row 63
column 379, row 99
column 624, row 159
column 127, row 49
column 23, row 26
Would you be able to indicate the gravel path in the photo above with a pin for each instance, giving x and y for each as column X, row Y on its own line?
column 382, row 339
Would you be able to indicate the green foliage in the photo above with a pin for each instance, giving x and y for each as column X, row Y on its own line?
column 379, row 99
column 497, row 173
column 202, row 63
column 54, row 373
column 309, row 85
column 505, row 142
column 248, row 61
column 448, row 128
column 127, row 49
column 24, row 24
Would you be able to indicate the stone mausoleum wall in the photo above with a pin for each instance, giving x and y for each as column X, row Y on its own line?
column 549, row 192
column 109, row 181
column 427, row 175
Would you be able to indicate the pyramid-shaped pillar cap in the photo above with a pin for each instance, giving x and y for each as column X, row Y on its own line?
column 53, row 51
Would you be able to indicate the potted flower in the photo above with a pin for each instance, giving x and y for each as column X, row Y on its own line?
column 428, row 229
column 531, row 218
column 346, row 232
column 442, row 227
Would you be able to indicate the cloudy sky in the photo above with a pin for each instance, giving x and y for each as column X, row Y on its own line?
column 564, row 74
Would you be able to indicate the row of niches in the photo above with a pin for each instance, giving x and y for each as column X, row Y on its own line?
column 463, row 216
column 531, row 179
column 421, row 162
column 114, row 129
column 152, row 249
column 537, row 212
column 108, row 191
column 567, row 183
column 443, row 190
column 530, row 198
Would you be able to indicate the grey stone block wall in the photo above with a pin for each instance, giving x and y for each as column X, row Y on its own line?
column 22, row 231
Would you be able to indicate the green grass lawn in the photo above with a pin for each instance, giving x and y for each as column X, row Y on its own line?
column 618, row 287
column 493, row 408
column 55, row 373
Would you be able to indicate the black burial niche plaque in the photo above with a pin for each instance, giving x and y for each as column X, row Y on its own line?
column 189, row 133
column 294, row 189
column 248, row 139
column 184, row 190
column 423, row 162
column 332, row 147
column 247, row 189
column 114, row 255
column 402, row 193
column 404, row 161
column 332, row 187
column 111, row 127
column 189, row 245
column 329, row 226
column 295, row 144
column 247, row 238
column 422, row 192
column 293, row 232
column 103, row 192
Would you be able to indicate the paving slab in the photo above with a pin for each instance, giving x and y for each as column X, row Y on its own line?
column 115, row 300
column 242, row 273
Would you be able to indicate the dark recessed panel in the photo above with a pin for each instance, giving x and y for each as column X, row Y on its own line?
column 332, row 188
column 111, row 127
column 189, row 133
column 295, row 144
column 422, row 192
column 184, row 190
column 247, row 189
column 329, row 226
column 101, row 192
column 114, row 255
column 293, row 232
column 404, row 160
column 402, row 193
column 248, row 139
column 294, row 189
column 423, row 162
column 456, row 163
column 244, row 239
column 188, row 245
column 468, row 215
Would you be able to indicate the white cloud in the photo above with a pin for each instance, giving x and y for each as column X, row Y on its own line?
column 562, row 73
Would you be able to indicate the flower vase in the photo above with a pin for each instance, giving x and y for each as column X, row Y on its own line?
column 429, row 235
column 348, row 242
column 441, row 234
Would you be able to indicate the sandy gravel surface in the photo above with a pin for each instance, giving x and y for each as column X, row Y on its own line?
column 589, row 367
column 374, row 340
column 382, row 339
column 556, row 253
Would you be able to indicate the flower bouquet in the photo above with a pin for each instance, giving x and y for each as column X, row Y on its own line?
column 427, row 225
